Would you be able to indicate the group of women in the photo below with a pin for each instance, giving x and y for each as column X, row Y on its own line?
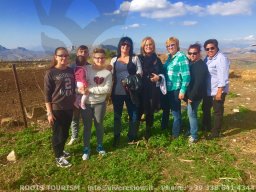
column 181, row 77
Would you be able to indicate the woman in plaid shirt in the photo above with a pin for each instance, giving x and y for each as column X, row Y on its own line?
column 177, row 76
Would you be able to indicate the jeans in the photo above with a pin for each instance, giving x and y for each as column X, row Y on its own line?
column 218, row 112
column 171, row 101
column 192, row 115
column 75, row 123
column 95, row 113
column 118, row 103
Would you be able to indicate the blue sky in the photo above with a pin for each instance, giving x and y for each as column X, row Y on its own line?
column 49, row 23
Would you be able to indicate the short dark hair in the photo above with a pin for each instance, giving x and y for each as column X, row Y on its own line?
column 127, row 40
column 82, row 47
column 211, row 41
column 195, row 46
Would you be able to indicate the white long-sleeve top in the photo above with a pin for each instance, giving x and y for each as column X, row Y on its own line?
column 100, row 84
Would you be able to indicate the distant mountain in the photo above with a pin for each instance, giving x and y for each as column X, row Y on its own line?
column 109, row 47
column 21, row 53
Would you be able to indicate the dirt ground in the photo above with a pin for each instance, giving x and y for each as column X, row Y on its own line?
column 31, row 86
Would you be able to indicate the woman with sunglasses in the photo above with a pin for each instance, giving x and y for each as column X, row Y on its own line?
column 196, row 89
column 218, row 87
column 126, row 63
column 177, row 76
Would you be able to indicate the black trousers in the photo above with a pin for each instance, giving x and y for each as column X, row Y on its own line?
column 218, row 112
column 60, row 130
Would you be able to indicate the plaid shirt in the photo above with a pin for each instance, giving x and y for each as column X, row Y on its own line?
column 177, row 72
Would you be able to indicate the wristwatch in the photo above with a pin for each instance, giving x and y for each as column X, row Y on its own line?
column 49, row 113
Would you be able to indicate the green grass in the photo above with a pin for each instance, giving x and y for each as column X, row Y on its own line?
column 158, row 164
column 232, row 95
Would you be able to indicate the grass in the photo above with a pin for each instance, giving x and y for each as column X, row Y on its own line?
column 159, row 164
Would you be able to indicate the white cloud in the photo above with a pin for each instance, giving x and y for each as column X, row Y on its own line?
column 250, row 38
column 159, row 9
column 231, row 8
column 135, row 25
column 189, row 23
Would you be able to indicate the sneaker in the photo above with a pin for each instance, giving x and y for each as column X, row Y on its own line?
column 72, row 140
column 66, row 154
column 86, row 153
column 62, row 162
column 101, row 150
column 192, row 140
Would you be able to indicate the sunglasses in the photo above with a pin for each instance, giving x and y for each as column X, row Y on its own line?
column 210, row 48
column 171, row 45
column 126, row 44
column 99, row 58
column 62, row 55
column 192, row 53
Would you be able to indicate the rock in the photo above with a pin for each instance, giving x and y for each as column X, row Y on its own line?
column 10, row 122
column 11, row 156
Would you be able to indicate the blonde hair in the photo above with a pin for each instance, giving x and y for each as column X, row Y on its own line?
column 173, row 40
column 143, row 43
column 98, row 50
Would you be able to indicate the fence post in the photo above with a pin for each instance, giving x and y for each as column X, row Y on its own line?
column 19, row 94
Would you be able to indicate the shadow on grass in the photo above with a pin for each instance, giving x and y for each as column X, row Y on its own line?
column 239, row 122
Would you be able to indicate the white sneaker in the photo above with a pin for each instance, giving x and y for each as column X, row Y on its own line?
column 72, row 140
column 62, row 162
column 66, row 154
column 86, row 154
column 101, row 150
column 192, row 140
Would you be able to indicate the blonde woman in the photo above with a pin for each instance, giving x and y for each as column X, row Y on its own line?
column 150, row 93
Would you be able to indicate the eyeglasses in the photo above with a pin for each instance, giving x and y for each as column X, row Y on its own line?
column 171, row 45
column 210, row 48
column 99, row 58
column 62, row 55
column 126, row 44
column 192, row 53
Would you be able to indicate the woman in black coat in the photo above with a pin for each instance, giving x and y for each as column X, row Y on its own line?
column 150, row 93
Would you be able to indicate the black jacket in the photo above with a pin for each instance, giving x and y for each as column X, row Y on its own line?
column 198, row 84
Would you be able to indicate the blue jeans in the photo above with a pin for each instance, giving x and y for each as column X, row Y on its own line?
column 118, row 103
column 192, row 115
column 171, row 101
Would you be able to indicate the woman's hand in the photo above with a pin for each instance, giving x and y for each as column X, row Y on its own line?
column 154, row 77
column 50, row 118
column 181, row 96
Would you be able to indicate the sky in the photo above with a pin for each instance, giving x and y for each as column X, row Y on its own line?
column 43, row 24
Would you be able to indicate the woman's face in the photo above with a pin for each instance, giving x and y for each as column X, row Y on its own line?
column 125, row 48
column 211, row 50
column 193, row 54
column 62, row 57
column 149, row 47
column 99, row 59
column 172, row 48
